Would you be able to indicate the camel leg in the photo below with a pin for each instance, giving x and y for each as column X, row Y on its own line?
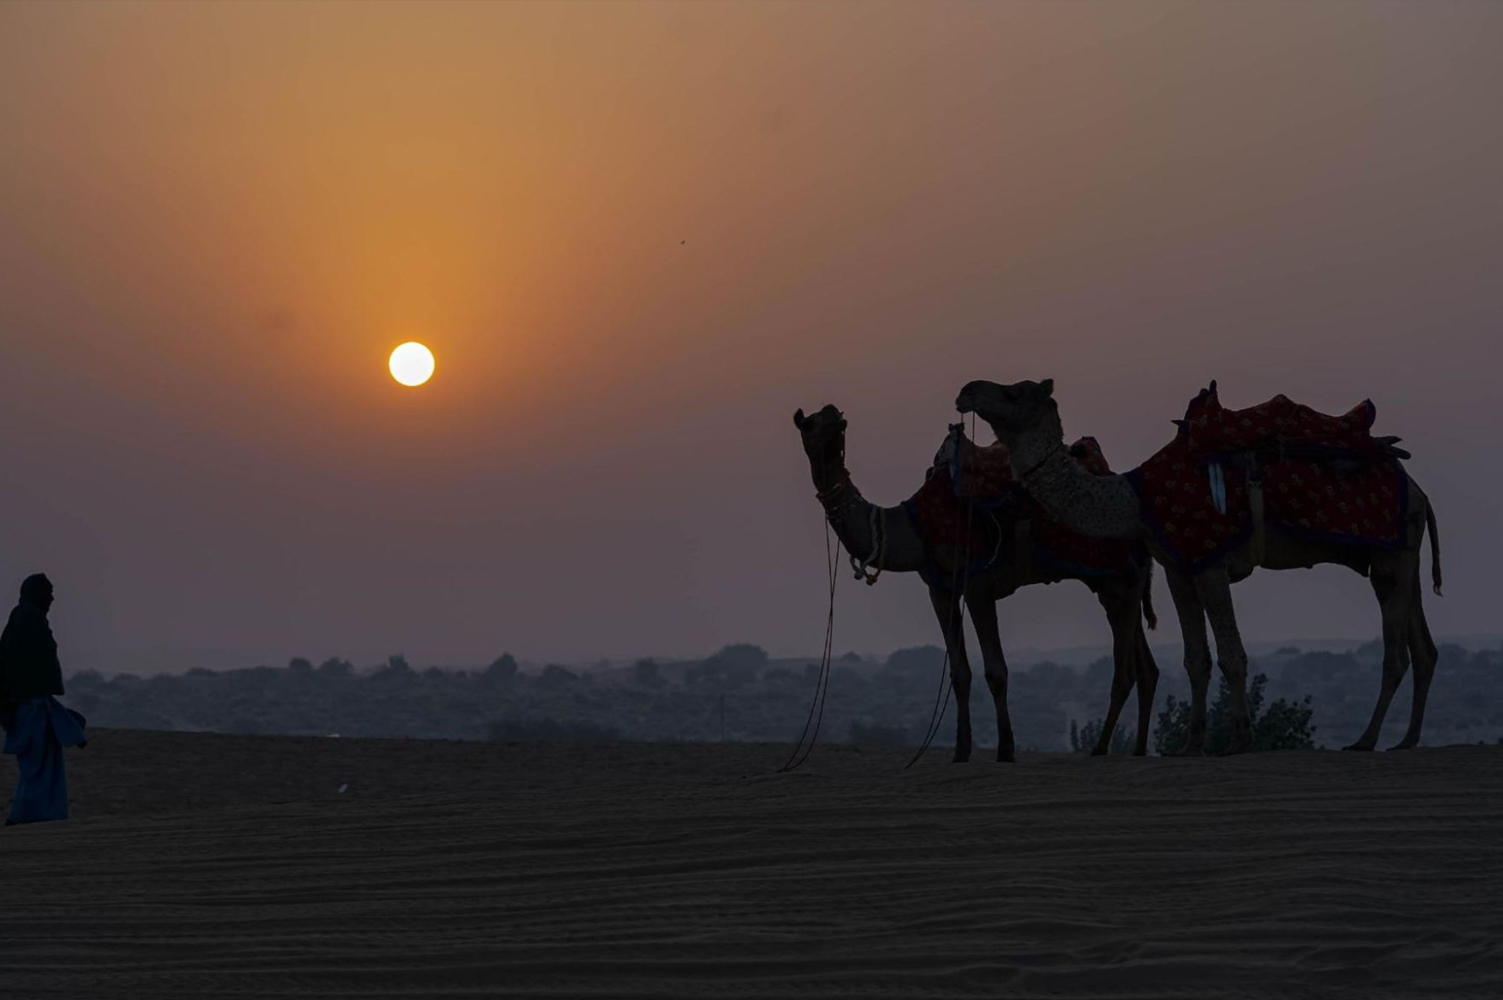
column 1394, row 604
column 1215, row 590
column 1148, row 682
column 947, row 609
column 1124, row 655
column 1422, row 651
column 1192, row 628
column 984, row 617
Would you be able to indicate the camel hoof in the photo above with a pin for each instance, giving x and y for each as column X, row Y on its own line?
column 1359, row 747
column 1006, row 757
column 961, row 758
column 1404, row 745
column 1098, row 752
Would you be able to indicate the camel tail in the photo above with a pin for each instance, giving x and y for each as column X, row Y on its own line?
column 1153, row 619
column 1434, row 545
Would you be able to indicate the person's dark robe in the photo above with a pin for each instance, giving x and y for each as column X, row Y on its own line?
column 29, row 666
column 36, row 726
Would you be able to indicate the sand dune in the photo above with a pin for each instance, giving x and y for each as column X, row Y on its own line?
column 225, row 866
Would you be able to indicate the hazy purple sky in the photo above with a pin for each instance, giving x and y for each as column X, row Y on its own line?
column 217, row 220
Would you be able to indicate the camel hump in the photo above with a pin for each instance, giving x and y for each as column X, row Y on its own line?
column 1213, row 429
column 1087, row 451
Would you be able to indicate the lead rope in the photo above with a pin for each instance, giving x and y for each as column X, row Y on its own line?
column 937, row 717
column 817, row 706
column 879, row 545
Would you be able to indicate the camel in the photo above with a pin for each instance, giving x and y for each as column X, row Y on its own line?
column 898, row 548
column 1026, row 419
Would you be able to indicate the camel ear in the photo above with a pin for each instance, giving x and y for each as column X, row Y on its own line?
column 798, row 418
column 1047, row 387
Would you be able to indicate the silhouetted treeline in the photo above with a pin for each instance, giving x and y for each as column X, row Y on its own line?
column 764, row 700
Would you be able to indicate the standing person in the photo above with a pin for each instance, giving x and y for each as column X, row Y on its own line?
column 36, row 726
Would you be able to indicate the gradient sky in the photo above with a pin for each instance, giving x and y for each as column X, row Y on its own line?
column 637, row 237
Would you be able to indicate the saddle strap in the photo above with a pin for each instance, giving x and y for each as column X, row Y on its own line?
column 1259, row 530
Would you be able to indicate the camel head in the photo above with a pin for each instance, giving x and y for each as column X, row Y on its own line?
column 1011, row 410
column 823, row 434
column 824, row 443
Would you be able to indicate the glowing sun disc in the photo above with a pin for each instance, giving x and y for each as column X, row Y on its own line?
column 411, row 363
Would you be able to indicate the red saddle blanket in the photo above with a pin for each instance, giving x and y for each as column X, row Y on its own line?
column 1322, row 476
column 966, row 476
column 1212, row 429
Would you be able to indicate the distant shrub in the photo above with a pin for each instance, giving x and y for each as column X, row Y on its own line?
column 1287, row 725
column 733, row 667
column 396, row 672
column 1083, row 739
column 919, row 659
column 741, row 654
column 555, row 675
column 503, row 668
column 647, row 673
column 913, row 670
column 1100, row 672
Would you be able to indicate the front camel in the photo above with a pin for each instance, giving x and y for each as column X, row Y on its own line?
column 889, row 539
column 1026, row 419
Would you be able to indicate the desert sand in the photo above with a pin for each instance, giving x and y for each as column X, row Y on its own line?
column 202, row 866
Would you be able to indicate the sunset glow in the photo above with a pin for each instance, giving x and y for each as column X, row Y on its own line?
column 641, row 235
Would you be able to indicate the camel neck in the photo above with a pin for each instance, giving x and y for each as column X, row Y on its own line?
column 1096, row 506
column 854, row 518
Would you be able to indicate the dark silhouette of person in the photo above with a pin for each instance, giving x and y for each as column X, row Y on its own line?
column 37, row 726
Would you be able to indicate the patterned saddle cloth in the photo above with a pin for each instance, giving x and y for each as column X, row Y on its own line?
column 1279, row 425
column 1318, row 475
column 967, row 476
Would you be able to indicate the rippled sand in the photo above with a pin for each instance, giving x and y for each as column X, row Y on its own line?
column 231, row 866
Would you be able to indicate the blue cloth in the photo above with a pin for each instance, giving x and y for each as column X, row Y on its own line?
column 36, row 730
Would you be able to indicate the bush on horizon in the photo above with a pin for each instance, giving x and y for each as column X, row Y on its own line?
column 1083, row 738
column 1286, row 725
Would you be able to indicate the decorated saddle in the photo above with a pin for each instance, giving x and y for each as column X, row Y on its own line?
column 1004, row 518
column 1306, row 472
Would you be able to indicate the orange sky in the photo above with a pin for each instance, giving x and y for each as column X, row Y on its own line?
column 637, row 237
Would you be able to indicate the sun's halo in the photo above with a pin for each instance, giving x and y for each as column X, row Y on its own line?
column 411, row 364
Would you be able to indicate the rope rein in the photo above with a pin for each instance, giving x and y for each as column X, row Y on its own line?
column 816, row 716
column 833, row 505
column 879, row 545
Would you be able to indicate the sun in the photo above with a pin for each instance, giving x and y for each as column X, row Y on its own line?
column 411, row 363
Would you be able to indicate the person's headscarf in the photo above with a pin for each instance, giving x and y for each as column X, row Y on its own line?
column 36, row 589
